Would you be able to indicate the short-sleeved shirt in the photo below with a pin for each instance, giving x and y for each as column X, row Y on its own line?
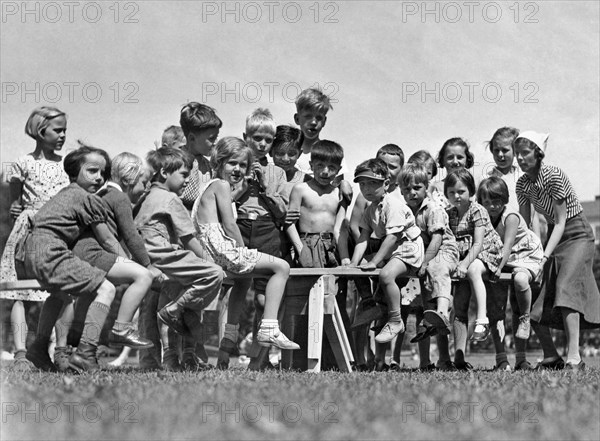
column 69, row 214
column 41, row 179
column 464, row 228
column 390, row 216
column 431, row 218
column 162, row 212
column 253, row 201
column 552, row 184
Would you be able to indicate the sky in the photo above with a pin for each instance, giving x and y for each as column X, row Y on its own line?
column 408, row 73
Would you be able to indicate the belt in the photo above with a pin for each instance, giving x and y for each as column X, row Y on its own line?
column 254, row 216
column 325, row 235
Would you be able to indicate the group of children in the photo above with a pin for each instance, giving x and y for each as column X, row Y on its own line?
column 168, row 227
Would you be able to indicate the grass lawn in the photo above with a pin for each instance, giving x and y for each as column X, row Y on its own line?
column 238, row 404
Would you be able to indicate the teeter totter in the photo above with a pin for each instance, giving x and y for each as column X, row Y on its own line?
column 311, row 314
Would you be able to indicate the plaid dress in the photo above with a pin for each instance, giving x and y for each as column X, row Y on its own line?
column 464, row 229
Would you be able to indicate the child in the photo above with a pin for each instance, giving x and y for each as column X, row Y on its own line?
column 285, row 152
column 454, row 155
column 214, row 220
column 168, row 233
column 522, row 253
column 45, row 254
column 479, row 249
column 401, row 249
column 322, row 211
column 33, row 179
column 312, row 106
column 261, row 209
column 173, row 137
column 440, row 259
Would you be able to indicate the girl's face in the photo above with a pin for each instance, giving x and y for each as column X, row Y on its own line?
column 135, row 191
column 235, row 169
column 177, row 180
column 494, row 207
column 90, row 176
column 527, row 158
column 414, row 193
column 459, row 196
column 455, row 158
column 503, row 153
column 53, row 136
column 286, row 157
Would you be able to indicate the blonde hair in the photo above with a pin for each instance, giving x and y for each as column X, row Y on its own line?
column 127, row 168
column 260, row 118
column 40, row 119
column 225, row 149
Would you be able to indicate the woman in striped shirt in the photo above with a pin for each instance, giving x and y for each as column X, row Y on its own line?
column 569, row 297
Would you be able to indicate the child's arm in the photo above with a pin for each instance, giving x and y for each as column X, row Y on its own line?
column 295, row 204
column 191, row 243
column 345, row 188
column 340, row 233
column 431, row 251
column 361, row 246
column 126, row 228
column 15, row 189
column 271, row 196
column 525, row 210
column 222, row 194
column 560, row 221
column 385, row 250
column 463, row 266
column 510, row 233
column 107, row 240
column 357, row 212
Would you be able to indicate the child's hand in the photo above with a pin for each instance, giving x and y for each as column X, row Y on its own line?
column 16, row 209
column 422, row 270
column 495, row 276
column 346, row 190
column 346, row 262
column 257, row 172
column 239, row 190
column 292, row 216
column 156, row 273
column 368, row 266
column 461, row 271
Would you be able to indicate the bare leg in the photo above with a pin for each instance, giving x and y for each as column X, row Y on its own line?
column 140, row 280
column 571, row 322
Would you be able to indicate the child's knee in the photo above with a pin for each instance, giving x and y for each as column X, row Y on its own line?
column 282, row 268
column 521, row 281
column 106, row 292
column 475, row 270
column 387, row 277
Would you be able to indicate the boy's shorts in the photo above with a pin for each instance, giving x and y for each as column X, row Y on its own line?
column 319, row 251
column 437, row 281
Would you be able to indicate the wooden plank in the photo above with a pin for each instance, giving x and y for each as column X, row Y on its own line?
column 335, row 342
column 339, row 324
column 316, row 300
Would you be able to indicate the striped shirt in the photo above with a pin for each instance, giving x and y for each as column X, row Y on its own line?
column 552, row 184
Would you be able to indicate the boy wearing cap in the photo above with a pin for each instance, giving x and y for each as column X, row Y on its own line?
column 322, row 211
column 388, row 228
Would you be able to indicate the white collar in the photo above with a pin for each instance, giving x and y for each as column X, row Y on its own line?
column 114, row 184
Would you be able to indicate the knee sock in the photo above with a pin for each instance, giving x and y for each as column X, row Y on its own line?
column 395, row 316
column 122, row 326
column 460, row 340
column 231, row 332
column 48, row 317
column 501, row 357
column 520, row 357
column 94, row 321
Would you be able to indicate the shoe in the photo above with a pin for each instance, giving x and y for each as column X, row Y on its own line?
column 481, row 333
column 430, row 367
column 524, row 328
column 438, row 321
column 273, row 336
column 503, row 366
column 40, row 359
column 557, row 364
column 381, row 366
column 61, row 358
column 84, row 359
column 191, row 362
column 130, row 337
column 361, row 368
column 523, row 365
column 367, row 311
column 463, row 366
column 171, row 362
column 446, row 365
column 429, row 331
column 575, row 367
column 21, row 364
column 171, row 316
column 389, row 331
column 395, row 367
column 229, row 346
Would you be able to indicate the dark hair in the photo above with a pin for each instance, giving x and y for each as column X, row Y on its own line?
column 424, row 158
column 74, row 160
column 327, row 151
column 288, row 136
column 494, row 188
column 195, row 117
column 169, row 159
column 463, row 176
column 504, row 133
column 527, row 143
column 375, row 165
column 413, row 171
column 392, row 149
column 454, row 142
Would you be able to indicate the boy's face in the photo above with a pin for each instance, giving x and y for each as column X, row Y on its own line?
column 260, row 141
column 393, row 165
column 177, row 180
column 324, row 172
column 202, row 141
column 286, row 157
column 414, row 193
column 373, row 189
column 311, row 122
